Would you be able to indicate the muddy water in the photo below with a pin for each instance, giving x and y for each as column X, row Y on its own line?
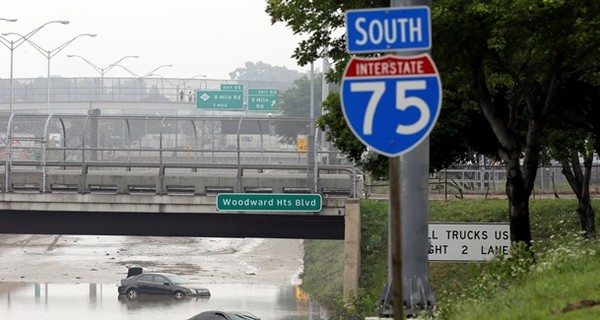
column 54, row 301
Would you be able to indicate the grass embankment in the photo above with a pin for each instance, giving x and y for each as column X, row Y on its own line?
column 564, row 283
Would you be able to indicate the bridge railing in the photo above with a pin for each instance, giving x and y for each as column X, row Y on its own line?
column 85, row 152
column 174, row 177
column 149, row 89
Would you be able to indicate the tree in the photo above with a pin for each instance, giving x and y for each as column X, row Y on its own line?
column 506, row 55
column 513, row 54
column 452, row 140
column 573, row 138
column 261, row 71
column 295, row 102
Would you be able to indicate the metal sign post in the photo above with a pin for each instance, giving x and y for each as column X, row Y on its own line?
column 395, row 228
column 391, row 104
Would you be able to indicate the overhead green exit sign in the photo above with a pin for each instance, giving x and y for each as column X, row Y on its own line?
column 269, row 202
column 214, row 99
column 232, row 87
column 262, row 99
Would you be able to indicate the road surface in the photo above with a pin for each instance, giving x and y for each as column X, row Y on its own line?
column 103, row 259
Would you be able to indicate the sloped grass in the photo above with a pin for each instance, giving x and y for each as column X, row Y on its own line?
column 552, row 223
column 563, row 284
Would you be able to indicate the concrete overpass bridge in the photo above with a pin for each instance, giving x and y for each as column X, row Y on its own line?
column 159, row 175
column 104, row 156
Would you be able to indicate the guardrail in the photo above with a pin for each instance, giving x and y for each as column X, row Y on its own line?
column 174, row 177
column 48, row 152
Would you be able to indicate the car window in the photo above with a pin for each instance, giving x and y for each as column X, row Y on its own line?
column 177, row 279
column 160, row 279
column 208, row 316
column 246, row 316
column 145, row 278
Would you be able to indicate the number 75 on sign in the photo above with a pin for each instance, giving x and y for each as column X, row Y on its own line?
column 391, row 103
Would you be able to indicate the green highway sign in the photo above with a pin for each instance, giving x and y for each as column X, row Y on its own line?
column 262, row 99
column 214, row 99
column 232, row 87
column 263, row 92
column 283, row 202
column 262, row 103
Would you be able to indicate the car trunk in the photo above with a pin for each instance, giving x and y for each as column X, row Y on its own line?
column 134, row 271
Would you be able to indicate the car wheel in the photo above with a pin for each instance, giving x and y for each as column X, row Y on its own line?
column 179, row 295
column 132, row 293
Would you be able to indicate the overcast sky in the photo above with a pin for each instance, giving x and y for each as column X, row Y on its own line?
column 211, row 37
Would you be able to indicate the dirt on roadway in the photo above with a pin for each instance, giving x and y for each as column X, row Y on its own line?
column 103, row 259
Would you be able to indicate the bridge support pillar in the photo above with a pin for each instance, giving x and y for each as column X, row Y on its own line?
column 351, row 248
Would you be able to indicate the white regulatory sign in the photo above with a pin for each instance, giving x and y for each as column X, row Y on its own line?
column 468, row 241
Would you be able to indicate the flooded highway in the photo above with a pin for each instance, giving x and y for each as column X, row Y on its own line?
column 63, row 277
column 54, row 301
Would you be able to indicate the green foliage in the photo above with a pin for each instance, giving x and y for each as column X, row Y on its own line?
column 472, row 210
column 337, row 132
column 323, row 270
column 321, row 22
column 551, row 219
column 460, row 287
column 565, row 274
column 357, row 307
column 261, row 71
column 323, row 261
column 515, row 51
column 373, row 247
column 295, row 102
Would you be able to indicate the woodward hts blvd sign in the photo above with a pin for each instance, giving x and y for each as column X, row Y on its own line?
column 284, row 202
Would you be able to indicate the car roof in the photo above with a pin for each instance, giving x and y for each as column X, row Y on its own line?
column 159, row 273
column 238, row 314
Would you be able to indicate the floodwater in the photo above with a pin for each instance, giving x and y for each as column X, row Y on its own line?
column 57, row 301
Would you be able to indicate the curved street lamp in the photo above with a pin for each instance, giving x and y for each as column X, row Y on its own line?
column 100, row 70
column 144, row 76
column 154, row 70
column 129, row 71
column 49, row 54
column 14, row 44
column 192, row 78
column 162, row 80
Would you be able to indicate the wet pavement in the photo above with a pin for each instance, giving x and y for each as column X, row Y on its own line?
column 61, row 301
column 63, row 277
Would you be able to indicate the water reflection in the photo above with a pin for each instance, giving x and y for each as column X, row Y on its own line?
column 101, row 301
column 157, row 302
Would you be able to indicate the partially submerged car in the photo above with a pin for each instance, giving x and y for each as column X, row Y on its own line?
column 139, row 283
column 224, row 315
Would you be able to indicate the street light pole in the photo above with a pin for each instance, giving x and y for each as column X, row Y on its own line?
column 141, row 78
column 192, row 78
column 129, row 71
column 102, row 71
column 151, row 72
column 15, row 44
column 49, row 54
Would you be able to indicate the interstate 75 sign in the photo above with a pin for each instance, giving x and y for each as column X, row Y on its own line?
column 391, row 103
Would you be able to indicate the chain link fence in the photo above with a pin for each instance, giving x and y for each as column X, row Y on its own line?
column 157, row 89
column 254, row 140
column 490, row 181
